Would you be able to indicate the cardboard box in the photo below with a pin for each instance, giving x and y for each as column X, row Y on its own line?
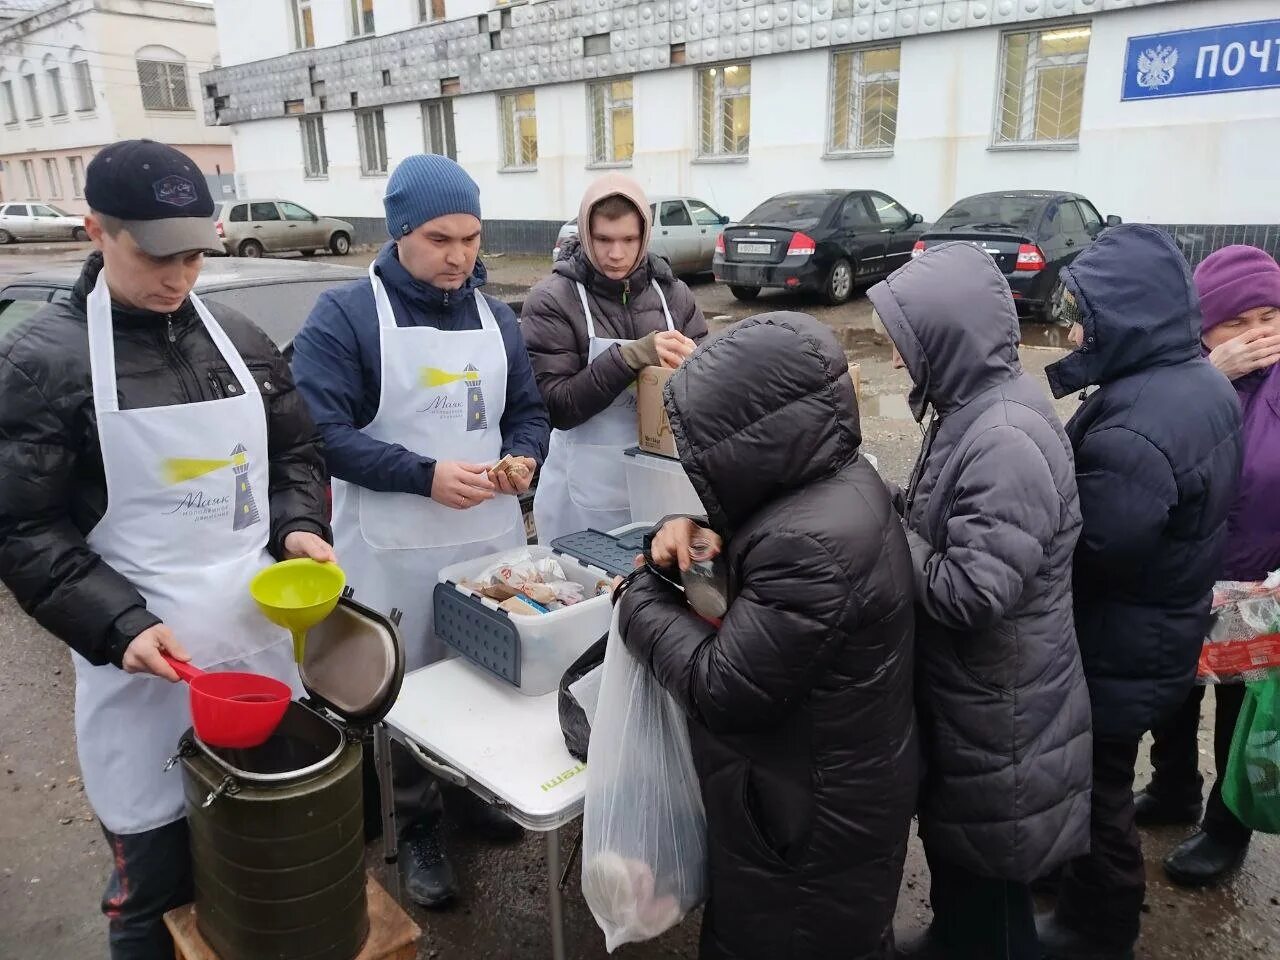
column 655, row 429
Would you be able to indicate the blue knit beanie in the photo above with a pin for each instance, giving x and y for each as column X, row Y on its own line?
column 426, row 186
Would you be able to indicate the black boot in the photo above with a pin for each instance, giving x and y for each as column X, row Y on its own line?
column 1152, row 810
column 1060, row 942
column 428, row 875
column 1202, row 861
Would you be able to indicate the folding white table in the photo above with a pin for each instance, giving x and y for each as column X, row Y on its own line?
column 478, row 732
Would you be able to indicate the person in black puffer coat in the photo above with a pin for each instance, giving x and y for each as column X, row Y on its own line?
column 1158, row 454
column 800, row 706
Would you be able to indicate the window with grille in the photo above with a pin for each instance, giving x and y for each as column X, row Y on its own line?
column 437, row 128
column 84, row 85
column 315, row 154
column 724, row 111
column 519, row 131
column 54, row 78
column 361, row 18
column 612, row 122
column 76, row 166
column 304, row 27
column 54, row 179
column 10, row 105
column 371, row 132
column 864, row 100
column 164, row 85
column 429, row 11
column 1042, row 86
column 33, row 98
column 29, row 172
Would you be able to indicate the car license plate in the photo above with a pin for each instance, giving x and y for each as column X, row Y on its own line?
column 755, row 248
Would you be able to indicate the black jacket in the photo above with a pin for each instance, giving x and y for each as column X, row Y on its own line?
column 52, row 491
column 802, row 724
column 1158, row 452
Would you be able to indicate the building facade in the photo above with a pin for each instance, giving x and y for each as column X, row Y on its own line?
column 1164, row 111
column 77, row 75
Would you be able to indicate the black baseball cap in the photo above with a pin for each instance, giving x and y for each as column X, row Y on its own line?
column 158, row 192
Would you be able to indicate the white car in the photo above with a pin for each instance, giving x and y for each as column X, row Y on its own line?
column 685, row 231
column 38, row 221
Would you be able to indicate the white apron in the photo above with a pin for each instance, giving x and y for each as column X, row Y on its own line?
column 187, row 524
column 443, row 395
column 583, row 485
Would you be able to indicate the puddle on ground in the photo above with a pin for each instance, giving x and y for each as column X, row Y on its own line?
column 1044, row 335
column 892, row 406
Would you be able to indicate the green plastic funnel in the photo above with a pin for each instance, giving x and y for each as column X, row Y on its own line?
column 298, row 594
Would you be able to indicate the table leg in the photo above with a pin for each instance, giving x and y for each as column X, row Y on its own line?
column 553, row 895
column 386, row 791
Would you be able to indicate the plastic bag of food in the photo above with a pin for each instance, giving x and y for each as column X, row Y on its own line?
column 1244, row 642
column 644, row 843
column 1251, row 782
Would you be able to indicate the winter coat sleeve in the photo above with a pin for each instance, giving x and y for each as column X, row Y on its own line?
column 526, row 427
column 1003, row 509
column 1127, row 491
column 685, row 312
column 779, row 635
column 330, row 369
column 574, row 392
column 44, row 560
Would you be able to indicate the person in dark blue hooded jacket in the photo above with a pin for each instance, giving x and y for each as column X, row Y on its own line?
column 420, row 385
column 1157, row 449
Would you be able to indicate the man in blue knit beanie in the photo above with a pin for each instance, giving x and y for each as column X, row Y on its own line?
column 433, row 426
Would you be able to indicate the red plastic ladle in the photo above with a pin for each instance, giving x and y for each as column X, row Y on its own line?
column 232, row 709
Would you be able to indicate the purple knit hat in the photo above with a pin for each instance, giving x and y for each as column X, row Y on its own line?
column 1233, row 280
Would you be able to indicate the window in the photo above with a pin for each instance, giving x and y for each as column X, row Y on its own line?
column 29, row 172
column 315, row 154
column 46, row 212
column 260, row 212
column 10, row 105
column 1067, row 218
column 33, row 97
column 304, row 28
column 371, row 132
column 596, row 45
column 84, row 86
column 724, row 110
column 164, row 85
column 612, row 122
column 519, row 131
column 890, row 213
column 15, row 210
column 295, row 213
column 864, row 100
column 437, row 128
column 52, row 177
column 429, row 11
column 1042, row 86
column 704, row 215
column 1092, row 221
column 53, row 76
column 674, row 214
column 239, row 214
column 15, row 312
column 855, row 214
column 76, row 166
column 361, row 18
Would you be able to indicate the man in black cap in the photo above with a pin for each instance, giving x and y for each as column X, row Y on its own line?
column 153, row 457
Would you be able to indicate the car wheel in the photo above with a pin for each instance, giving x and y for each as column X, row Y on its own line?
column 80, row 233
column 839, row 286
column 250, row 248
column 1052, row 302
column 5, row 237
column 745, row 294
column 340, row 244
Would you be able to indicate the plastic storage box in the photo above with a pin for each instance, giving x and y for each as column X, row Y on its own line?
column 658, row 487
column 533, row 652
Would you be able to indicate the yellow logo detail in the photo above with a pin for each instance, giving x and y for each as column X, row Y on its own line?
column 181, row 469
column 435, row 377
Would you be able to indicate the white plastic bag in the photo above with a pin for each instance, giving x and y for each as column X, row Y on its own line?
column 644, row 831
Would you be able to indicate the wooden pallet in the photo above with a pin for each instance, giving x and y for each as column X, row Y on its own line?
column 392, row 933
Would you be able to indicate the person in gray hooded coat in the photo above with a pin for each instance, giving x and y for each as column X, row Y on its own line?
column 992, row 519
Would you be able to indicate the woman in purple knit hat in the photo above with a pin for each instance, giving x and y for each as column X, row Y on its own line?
column 1239, row 289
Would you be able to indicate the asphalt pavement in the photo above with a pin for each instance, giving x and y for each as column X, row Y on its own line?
column 53, row 860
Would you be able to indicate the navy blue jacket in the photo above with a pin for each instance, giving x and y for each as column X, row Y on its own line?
column 1158, row 452
column 336, row 365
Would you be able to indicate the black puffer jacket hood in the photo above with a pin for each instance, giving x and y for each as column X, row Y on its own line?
column 1133, row 319
column 801, row 718
column 804, row 428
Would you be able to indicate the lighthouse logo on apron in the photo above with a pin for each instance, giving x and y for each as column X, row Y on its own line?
column 445, row 405
column 220, row 497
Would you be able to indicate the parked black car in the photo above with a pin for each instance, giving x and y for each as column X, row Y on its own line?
column 1032, row 234
column 825, row 241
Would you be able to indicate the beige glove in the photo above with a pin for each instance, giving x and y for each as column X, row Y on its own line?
column 642, row 353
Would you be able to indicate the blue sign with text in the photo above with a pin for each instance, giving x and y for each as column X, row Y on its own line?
column 1237, row 56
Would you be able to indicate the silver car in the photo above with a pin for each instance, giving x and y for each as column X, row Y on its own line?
column 250, row 228
column 685, row 231
column 38, row 221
